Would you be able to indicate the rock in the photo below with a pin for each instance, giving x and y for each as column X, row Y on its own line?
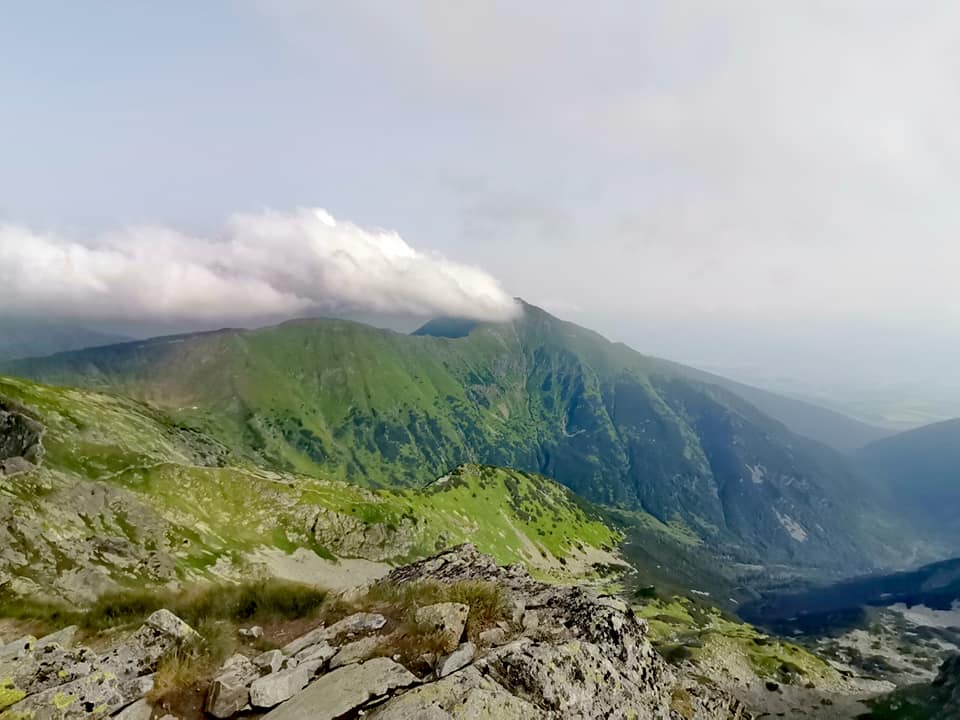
column 493, row 637
column 271, row 660
column 457, row 660
column 254, row 632
column 448, row 619
column 357, row 651
column 171, row 626
column 95, row 696
column 63, row 638
column 17, row 649
column 345, row 689
column 357, row 623
column 322, row 651
column 169, row 717
column 140, row 710
column 230, row 690
column 467, row 694
column 273, row 689
column 586, row 657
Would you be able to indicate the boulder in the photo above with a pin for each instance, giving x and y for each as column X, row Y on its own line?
column 254, row 632
column 356, row 651
column 457, row 660
column 63, row 638
column 95, row 696
column 447, row 619
column 229, row 692
column 269, row 661
column 170, row 626
column 275, row 688
column 322, row 651
column 357, row 623
column 344, row 690
column 467, row 694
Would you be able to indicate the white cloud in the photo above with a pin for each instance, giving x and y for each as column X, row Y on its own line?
column 266, row 264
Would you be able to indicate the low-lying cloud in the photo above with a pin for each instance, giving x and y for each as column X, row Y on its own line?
column 260, row 265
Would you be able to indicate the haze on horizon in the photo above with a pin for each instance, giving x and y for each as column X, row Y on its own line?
column 765, row 190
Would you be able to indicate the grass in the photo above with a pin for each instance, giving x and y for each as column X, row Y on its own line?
column 686, row 629
column 198, row 605
column 419, row 645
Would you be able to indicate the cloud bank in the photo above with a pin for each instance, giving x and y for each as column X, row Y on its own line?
column 261, row 265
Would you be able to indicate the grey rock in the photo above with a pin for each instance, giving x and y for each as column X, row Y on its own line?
column 457, row 660
column 531, row 621
column 345, row 689
column 17, row 649
column 95, row 696
column 356, row 651
column 271, row 660
column 139, row 710
column 63, row 638
column 448, row 620
column 467, row 694
column 254, row 632
column 493, row 637
column 229, row 691
column 321, row 651
column 273, row 689
column 357, row 623
column 170, row 625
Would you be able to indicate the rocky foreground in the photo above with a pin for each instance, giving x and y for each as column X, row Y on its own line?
column 562, row 652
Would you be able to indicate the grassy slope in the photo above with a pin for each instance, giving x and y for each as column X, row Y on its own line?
column 126, row 495
column 344, row 400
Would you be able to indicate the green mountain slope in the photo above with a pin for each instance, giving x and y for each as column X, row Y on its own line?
column 377, row 408
column 125, row 495
column 920, row 471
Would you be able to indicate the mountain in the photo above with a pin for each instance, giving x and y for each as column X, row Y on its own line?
column 20, row 338
column 920, row 471
column 826, row 426
column 377, row 408
column 108, row 491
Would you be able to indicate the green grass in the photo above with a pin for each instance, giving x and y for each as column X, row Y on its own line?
column 687, row 629
column 198, row 605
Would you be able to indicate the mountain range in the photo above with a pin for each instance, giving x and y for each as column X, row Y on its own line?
column 382, row 409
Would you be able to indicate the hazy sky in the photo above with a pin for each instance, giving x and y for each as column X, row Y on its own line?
column 764, row 186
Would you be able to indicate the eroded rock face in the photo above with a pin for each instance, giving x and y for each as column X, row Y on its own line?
column 20, row 440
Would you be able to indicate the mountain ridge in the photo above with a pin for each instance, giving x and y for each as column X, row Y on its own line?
column 538, row 394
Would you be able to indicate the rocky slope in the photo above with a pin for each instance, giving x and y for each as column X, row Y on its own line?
column 124, row 496
column 341, row 399
column 938, row 700
column 560, row 652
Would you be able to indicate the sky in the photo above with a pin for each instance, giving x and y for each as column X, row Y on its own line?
column 765, row 189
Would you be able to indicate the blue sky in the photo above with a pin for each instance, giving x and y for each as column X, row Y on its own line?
column 675, row 174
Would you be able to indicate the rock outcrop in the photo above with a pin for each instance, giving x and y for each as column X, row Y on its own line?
column 563, row 652
column 50, row 680
column 20, row 440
